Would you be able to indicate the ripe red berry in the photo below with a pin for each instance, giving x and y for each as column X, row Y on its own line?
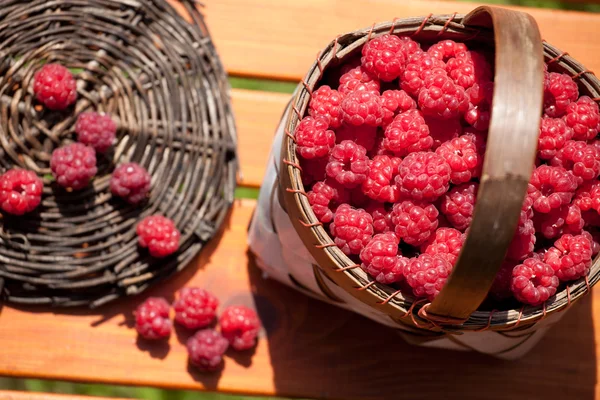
column 362, row 108
column 458, row 205
column 407, row 133
column 446, row 49
column 583, row 117
column 427, row 275
column 206, row 349
column 358, row 79
column 582, row 159
column 384, row 57
column 240, row 326
column 380, row 258
column 418, row 67
column 533, row 282
column 554, row 133
column 559, row 91
column 571, row 257
column 73, row 165
column 152, row 319
column 380, row 183
column 325, row 102
column 159, row 235
column 587, row 196
column 423, row 176
column 469, row 68
column 324, row 198
column 551, row 187
column 394, row 102
column 348, row 164
column 446, row 242
column 414, row 222
column 523, row 242
column 351, row 229
column 195, row 308
column 96, row 130
column 480, row 102
column 313, row 138
column 565, row 219
column 442, row 98
column 20, row 191
column 130, row 181
column 462, row 156
column 55, row 87
column 382, row 217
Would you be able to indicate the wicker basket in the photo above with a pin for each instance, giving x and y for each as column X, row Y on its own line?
column 309, row 257
column 160, row 78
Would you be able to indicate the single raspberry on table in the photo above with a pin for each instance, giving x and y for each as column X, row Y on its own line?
column 407, row 133
column 313, row 170
column 358, row 79
column 458, row 205
column 73, row 165
column 380, row 258
column 446, row 242
column 195, row 308
column 551, row 187
column 55, row 87
column 533, row 282
column 325, row 102
column 159, row 234
column 362, row 108
column 500, row 289
column 20, row 191
column 565, row 219
column 96, row 130
column 152, row 319
column 587, row 196
column 324, row 197
column 523, row 242
column 554, row 133
column 427, row 275
column 394, row 102
column 559, row 91
column 583, row 117
column 480, row 102
column 351, row 229
column 363, row 135
column 130, row 181
column 442, row 98
column 446, row 49
column 462, row 156
column 418, row 67
column 240, row 326
column 382, row 217
column 469, row 68
column 443, row 130
column 414, row 222
column 348, row 164
column 384, row 57
column 313, row 138
column 206, row 349
column 570, row 257
column 423, row 176
column 381, row 183
column 582, row 159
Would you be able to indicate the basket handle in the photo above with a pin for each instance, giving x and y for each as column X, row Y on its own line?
column 509, row 159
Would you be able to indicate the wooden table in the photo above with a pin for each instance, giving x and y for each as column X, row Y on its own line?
column 308, row 349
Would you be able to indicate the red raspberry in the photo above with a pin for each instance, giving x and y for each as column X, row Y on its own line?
column 554, row 133
column 582, row 159
column 195, row 308
column 418, row 67
column 533, row 282
column 500, row 289
column 380, row 258
column 551, row 187
column 130, row 181
column 324, row 197
column 380, row 183
column 523, row 241
column 20, row 191
column 73, row 165
column 559, row 91
column 478, row 137
column 351, row 229
column 152, row 319
column 583, row 117
column 358, row 79
column 446, row 49
column 423, row 176
column 414, row 222
column 159, row 235
column 571, row 257
column 446, row 242
column 313, row 138
column 96, row 130
column 407, row 133
column 382, row 217
column 427, row 275
column 362, row 108
column 363, row 135
column 458, row 205
column 348, row 164
column 240, row 326
column 313, row 170
column 443, row 130
column 442, row 98
column 383, row 57
column 410, row 47
column 587, row 196
column 461, row 154
column 566, row 219
column 468, row 68
column 394, row 102
column 206, row 349
column 55, row 87
column 325, row 102
column 594, row 238
column 480, row 103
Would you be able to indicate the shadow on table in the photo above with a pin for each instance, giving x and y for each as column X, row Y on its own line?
column 318, row 350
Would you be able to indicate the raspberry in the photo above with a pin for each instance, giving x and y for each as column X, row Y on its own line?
column 240, row 326
column 461, row 154
column 559, row 91
column 363, row 135
column 478, row 137
column 130, row 181
column 313, row 138
column 152, row 318
column 533, row 282
column 565, row 219
column 500, row 289
column 442, row 98
column 20, row 191
column 410, row 47
column 446, row 49
column 383, row 57
column 380, row 183
column 551, row 187
column 427, row 275
column 362, row 107
column 587, row 196
column 407, row 133
column 458, row 205
column 351, row 229
column 348, row 164
column 380, row 258
column 554, row 133
column 468, row 68
column 423, row 176
column 523, row 242
column 159, row 235
column 55, row 87
column 96, row 130
column 195, row 308
column 382, row 218
column 480, row 101
column 446, row 242
column 206, row 349
column 73, row 165
column 583, row 117
column 414, row 222
column 443, row 130
column 313, row 170
column 323, row 198
column 358, row 79
column 594, row 238
column 394, row 102
column 582, row 159
column 571, row 257
column 325, row 102
column 418, row 67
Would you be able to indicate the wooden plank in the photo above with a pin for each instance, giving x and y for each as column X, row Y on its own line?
column 308, row 349
column 13, row 395
column 280, row 38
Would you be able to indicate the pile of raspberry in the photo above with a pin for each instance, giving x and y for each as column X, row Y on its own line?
column 196, row 311
column 392, row 152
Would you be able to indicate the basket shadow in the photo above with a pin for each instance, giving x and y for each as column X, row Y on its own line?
column 321, row 351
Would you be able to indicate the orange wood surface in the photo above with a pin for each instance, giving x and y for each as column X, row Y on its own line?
column 14, row 395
